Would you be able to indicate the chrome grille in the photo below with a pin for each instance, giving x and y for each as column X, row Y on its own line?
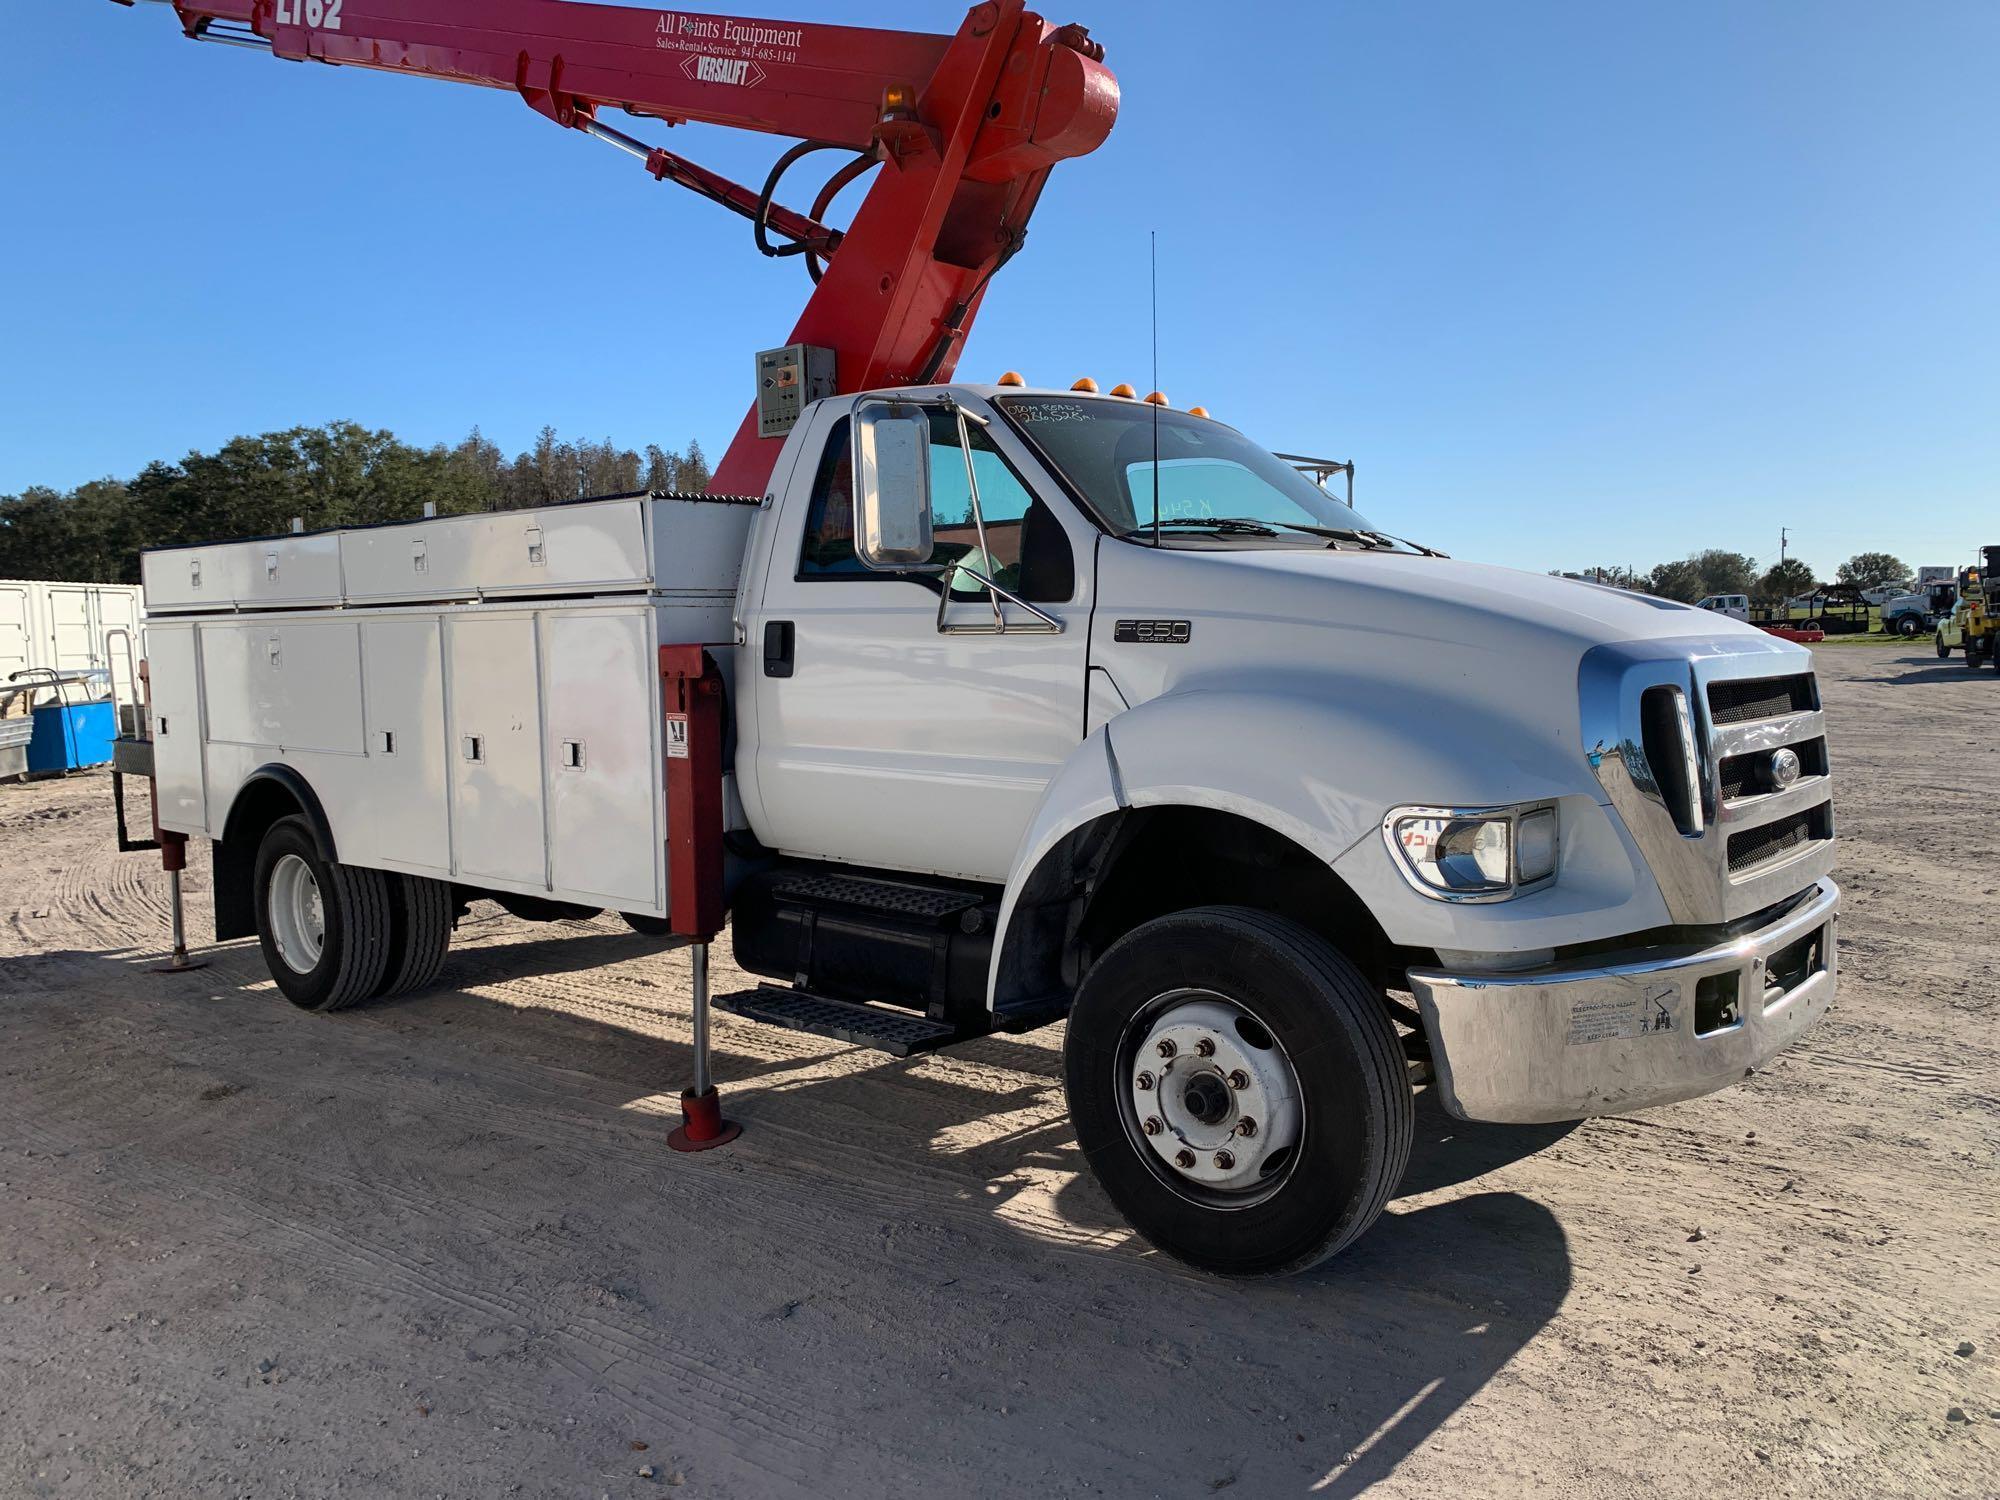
column 1768, row 841
column 1740, row 776
column 1740, row 701
column 1737, row 842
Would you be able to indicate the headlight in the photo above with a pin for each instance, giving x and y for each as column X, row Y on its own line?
column 1473, row 854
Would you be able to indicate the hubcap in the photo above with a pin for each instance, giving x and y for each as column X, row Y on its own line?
column 1210, row 1099
column 298, row 919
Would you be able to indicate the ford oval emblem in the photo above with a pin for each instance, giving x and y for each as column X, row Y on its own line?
column 1782, row 770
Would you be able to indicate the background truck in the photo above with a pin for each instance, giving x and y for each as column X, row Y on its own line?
column 1734, row 606
column 1973, row 625
column 982, row 707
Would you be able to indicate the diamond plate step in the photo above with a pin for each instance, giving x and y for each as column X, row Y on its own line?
column 928, row 902
column 896, row 1032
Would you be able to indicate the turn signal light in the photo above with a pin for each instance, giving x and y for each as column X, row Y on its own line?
column 1122, row 389
column 1158, row 398
column 1012, row 377
column 1085, row 384
column 1197, row 411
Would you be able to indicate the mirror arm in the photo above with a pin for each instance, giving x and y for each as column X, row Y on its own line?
column 1050, row 625
column 978, row 522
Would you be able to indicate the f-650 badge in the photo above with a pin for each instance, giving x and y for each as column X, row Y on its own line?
column 1153, row 632
column 324, row 14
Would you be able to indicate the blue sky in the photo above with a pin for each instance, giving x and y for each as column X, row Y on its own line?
column 1573, row 283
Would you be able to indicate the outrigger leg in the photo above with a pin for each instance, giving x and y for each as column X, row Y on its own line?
column 691, row 695
column 173, row 855
column 702, row 1125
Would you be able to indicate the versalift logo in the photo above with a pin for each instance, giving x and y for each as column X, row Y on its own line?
column 737, row 70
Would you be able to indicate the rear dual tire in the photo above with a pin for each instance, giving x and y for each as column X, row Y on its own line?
column 1196, row 1022
column 334, row 935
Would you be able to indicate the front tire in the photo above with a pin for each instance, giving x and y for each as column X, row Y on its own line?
column 1909, row 625
column 1942, row 649
column 1184, row 1043
column 325, row 928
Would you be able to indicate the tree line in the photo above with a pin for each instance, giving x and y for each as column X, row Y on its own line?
column 340, row 474
column 1715, row 571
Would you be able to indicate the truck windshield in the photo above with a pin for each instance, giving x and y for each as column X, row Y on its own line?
column 1212, row 482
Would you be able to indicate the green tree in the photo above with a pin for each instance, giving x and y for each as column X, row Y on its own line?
column 1725, row 572
column 1786, row 580
column 1872, row 570
column 339, row 474
column 1676, row 580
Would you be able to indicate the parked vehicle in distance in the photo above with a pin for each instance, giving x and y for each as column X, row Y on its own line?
column 1836, row 608
column 1978, row 627
column 1950, row 633
column 1735, row 606
column 1908, row 615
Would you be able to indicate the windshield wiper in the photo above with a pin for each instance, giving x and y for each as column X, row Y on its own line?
column 1375, row 541
column 1223, row 525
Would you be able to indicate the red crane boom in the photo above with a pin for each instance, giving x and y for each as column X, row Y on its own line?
column 966, row 128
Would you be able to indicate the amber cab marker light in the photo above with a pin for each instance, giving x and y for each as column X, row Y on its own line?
column 1012, row 377
column 1085, row 383
column 1197, row 411
column 1122, row 389
column 1158, row 398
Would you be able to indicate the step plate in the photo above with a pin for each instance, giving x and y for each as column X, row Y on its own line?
column 925, row 902
column 895, row 1032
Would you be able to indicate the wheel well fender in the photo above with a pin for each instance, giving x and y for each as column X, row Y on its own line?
column 268, row 793
column 1103, row 855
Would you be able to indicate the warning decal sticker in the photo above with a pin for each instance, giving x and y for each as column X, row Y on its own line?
column 1603, row 1018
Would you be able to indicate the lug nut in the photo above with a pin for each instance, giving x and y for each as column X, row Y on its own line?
column 1154, row 1125
column 1184, row 1159
column 1144, row 1080
column 1246, row 1127
column 1204, row 1048
column 1167, row 1047
column 1224, row 1160
column 1239, row 1080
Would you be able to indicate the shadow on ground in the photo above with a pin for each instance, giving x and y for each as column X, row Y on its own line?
column 1320, row 1384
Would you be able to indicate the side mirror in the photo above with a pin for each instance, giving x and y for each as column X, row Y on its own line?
column 892, row 486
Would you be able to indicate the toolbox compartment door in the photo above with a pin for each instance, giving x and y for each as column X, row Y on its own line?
column 600, row 678
column 494, row 749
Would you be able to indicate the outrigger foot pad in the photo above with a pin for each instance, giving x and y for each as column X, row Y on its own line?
column 702, row 1125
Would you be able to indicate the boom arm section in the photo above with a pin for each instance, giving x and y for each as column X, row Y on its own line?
column 966, row 129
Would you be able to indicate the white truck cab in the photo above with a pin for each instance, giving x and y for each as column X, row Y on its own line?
column 1735, row 606
column 1049, row 704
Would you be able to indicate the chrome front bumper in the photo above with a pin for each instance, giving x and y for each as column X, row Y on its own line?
column 1600, row 1038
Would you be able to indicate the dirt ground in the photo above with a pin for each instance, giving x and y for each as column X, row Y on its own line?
column 439, row 1247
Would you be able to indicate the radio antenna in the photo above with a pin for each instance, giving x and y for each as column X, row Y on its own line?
column 1155, row 266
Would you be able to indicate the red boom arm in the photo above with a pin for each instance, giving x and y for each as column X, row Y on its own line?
column 967, row 128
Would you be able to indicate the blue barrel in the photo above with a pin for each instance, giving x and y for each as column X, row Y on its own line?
column 70, row 735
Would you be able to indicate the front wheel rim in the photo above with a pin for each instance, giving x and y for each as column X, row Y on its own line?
column 297, row 914
column 1209, row 1099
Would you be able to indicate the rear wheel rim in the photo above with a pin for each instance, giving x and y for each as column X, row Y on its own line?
column 297, row 914
column 1209, row 1099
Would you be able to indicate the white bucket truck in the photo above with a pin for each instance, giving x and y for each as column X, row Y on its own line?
column 1046, row 705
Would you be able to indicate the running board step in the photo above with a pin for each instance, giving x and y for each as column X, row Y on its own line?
column 898, row 1033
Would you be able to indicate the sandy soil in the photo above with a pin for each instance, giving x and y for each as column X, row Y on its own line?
column 439, row 1248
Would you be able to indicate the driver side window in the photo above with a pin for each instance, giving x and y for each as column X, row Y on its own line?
column 1028, row 553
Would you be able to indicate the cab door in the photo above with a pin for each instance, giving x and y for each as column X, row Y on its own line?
column 882, row 739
